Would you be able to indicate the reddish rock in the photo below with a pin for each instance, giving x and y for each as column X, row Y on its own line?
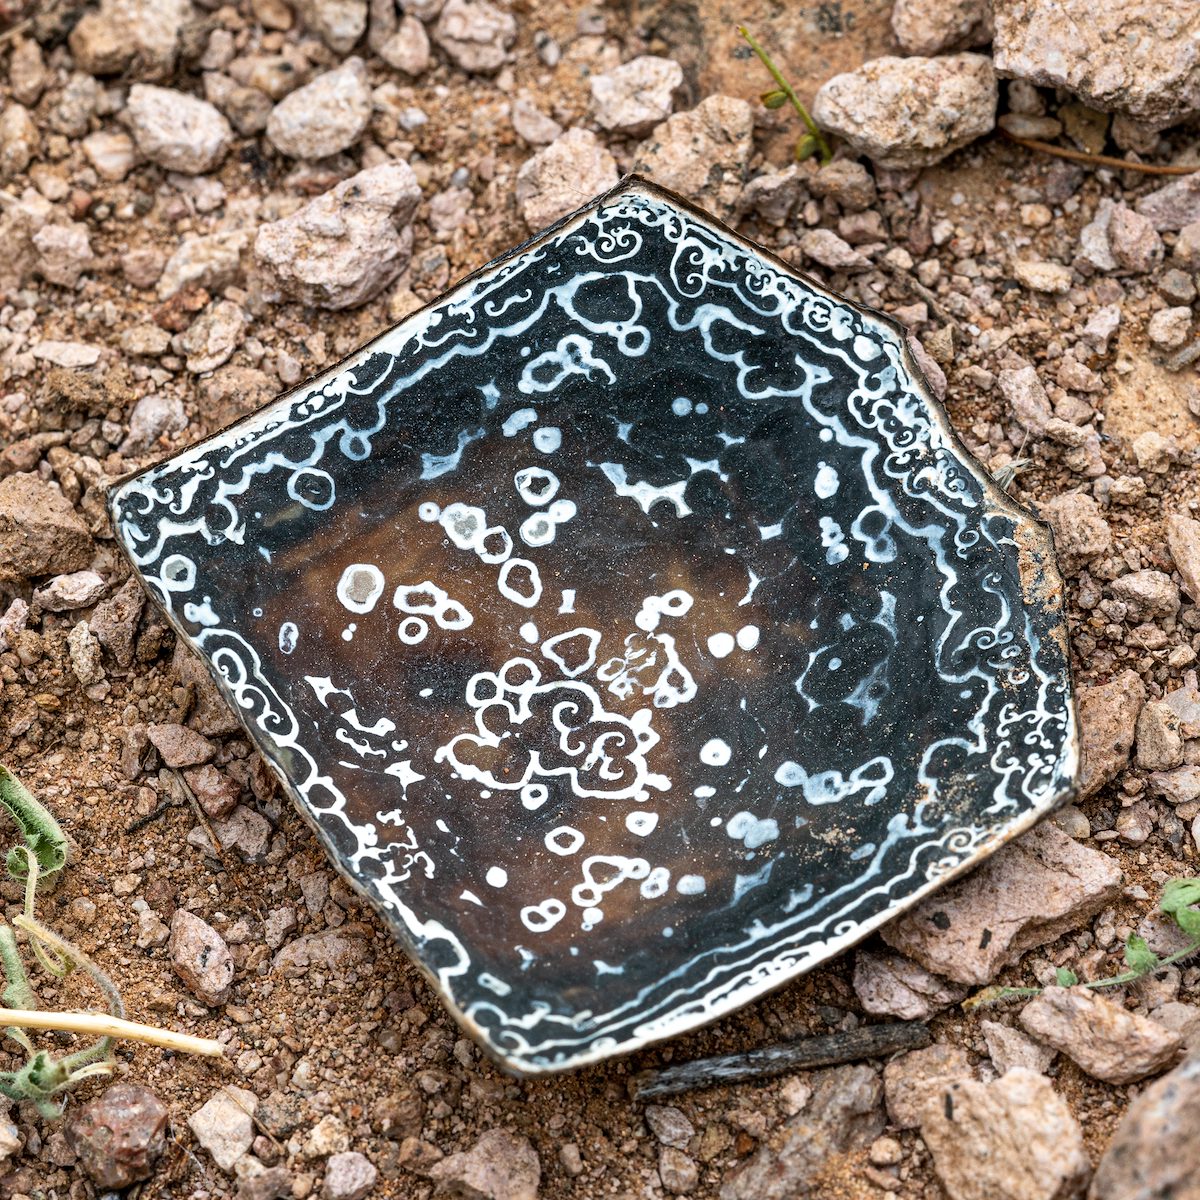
column 119, row 1136
column 180, row 746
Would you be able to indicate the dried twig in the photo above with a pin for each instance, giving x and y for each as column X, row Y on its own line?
column 102, row 1025
column 1098, row 160
column 869, row 1041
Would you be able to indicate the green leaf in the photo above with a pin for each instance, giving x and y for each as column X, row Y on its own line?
column 806, row 147
column 1138, row 956
column 1177, row 899
column 1065, row 977
column 775, row 98
column 41, row 831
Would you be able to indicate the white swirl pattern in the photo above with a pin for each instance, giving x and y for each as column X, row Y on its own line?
column 607, row 786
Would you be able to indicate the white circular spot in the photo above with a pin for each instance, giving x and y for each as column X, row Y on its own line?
column 702, row 408
column 715, row 752
column 690, row 885
column 835, row 664
column 540, row 917
column 826, row 435
column 564, row 840
column 681, row 406
column 641, row 823
column 178, row 573
column 429, row 511
column 348, row 632
column 534, row 795
column 747, row 637
column 536, row 485
column 360, row 587
column 592, row 916
column 656, row 883
column 826, row 482
column 312, row 487
column 289, row 635
column 720, row 645
column 412, row 630
column 529, row 632
column 497, row 877
column 547, row 439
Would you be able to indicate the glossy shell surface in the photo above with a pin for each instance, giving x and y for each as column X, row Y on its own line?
column 630, row 625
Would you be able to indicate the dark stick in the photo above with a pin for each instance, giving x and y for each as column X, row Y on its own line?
column 827, row 1050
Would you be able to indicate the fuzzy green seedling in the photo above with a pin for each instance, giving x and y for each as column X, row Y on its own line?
column 810, row 143
column 43, row 1077
column 1178, row 899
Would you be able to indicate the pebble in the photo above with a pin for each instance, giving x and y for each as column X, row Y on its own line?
column 27, row 74
column 824, row 246
column 408, row 48
column 20, row 141
column 247, row 832
column 84, row 653
column 475, row 34
column 845, row 1113
column 846, row 182
column 271, row 1183
column 910, row 112
column 1009, row 1049
column 325, row 116
column 201, row 959
column 890, row 985
column 1108, row 717
column 567, row 173
column 1169, row 328
column 224, row 1126
column 67, row 354
column 1014, row 1138
column 1159, row 741
column 329, row 950
column 1049, row 277
column 1020, row 386
column 40, row 532
column 1133, row 57
column 348, row 1176
column 64, row 253
column 216, row 793
column 179, row 132
column 499, row 1166
column 912, row 1080
column 140, row 38
column 1173, row 206
column 1027, row 894
column 638, row 95
column 1102, row 1037
column 1147, row 595
column 677, row 1171
column 1080, row 531
column 1154, row 453
column 669, row 1125
column 114, row 621
column 328, row 1136
column 213, row 337
column 211, row 261
column 120, row 1136
column 179, row 745
column 532, row 125
column 111, row 153
column 1132, row 240
column 1155, row 1151
column 338, row 23
column 65, row 593
column 1040, row 128
column 343, row 248
column 154, row 416
column 1183, row 542
column 936, row 26
column 702, row 154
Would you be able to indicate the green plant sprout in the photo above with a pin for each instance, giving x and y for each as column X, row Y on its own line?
column 1178, row 899
column 43, row 1076
column 810, row 143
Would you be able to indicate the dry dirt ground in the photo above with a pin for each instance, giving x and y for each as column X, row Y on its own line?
column 369, row 1042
